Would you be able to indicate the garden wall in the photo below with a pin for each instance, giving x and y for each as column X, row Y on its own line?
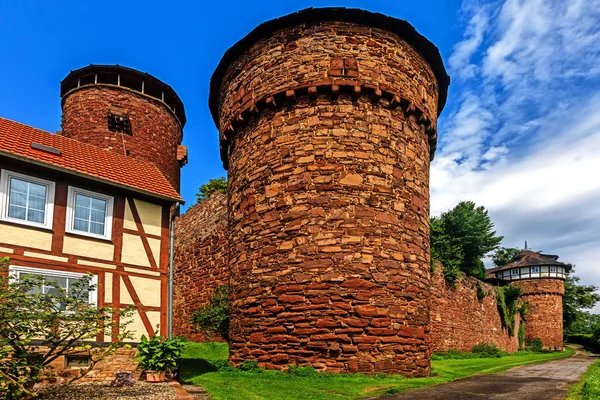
column 459, row 320
column 200, row 262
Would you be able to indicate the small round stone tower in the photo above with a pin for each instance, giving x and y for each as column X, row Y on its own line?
column 327, row 121
column 126, row 111
column 542, row 279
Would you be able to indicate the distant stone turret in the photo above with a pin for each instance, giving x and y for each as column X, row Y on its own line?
column 542, row 278
column 126, row 111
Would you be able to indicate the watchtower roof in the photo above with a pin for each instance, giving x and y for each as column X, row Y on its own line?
column 310, row 15
column 125, row 77
column 528, row 258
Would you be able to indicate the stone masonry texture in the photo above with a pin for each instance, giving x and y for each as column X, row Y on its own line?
column 329, row 204
column 459, row 320
column 544, row 319
column 155, row 131
column 200, row 261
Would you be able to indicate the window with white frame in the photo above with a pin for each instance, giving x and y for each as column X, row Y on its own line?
column 553, row 268
column 535, row 269
column 514, row 271
column 26, row 200
column 89, row 213
column 54, row 281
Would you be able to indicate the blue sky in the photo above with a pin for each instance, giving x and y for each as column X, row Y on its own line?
column 520, row 134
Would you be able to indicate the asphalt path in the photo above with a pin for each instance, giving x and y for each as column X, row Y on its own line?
column 546, row 381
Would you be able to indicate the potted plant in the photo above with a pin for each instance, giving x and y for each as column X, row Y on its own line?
column 158, row 355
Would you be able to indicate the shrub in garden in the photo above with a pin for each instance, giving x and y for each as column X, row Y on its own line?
column 159, row 354
column 534, row 344
column 485, row 350
column 213, row 319
column 37, row 328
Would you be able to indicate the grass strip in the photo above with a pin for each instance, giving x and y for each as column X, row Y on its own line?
column 205, row 365
column 588, row 387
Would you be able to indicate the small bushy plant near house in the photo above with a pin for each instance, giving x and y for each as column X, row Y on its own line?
column 213, row 319
column 534, row 344
column 159, row 354
column 37, row 328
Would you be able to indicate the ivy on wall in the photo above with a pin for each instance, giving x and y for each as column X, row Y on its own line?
column 507, row 298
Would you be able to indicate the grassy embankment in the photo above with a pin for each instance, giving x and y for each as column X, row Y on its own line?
column 588, row 388
column 205, row 365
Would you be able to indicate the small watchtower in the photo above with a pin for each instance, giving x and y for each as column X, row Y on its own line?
column 128, row 112
column 541, row 277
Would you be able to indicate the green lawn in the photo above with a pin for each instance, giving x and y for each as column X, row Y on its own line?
column 588, row 388
column 201, row 363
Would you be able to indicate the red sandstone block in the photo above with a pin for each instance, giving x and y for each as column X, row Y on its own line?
column 357, row 283
column 287, row 298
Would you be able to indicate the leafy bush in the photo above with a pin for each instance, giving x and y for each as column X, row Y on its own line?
column 213, row 319
column 249, row 366
column 453, row 355
column 60, row 324
column 301, row 371
column 482, row 350
column 488, row 350
column 534, row 345
column 159, row 354
column 222, row 365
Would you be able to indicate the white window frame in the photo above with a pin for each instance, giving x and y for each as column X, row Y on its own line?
column 14, row 270
column 5, row 177
column 71, row 213
column 537, row 271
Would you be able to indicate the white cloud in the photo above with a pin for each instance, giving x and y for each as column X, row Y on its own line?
column 523, row 136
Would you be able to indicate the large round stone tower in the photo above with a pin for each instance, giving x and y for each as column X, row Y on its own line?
column 327, row 121
column 541, row 277
column 128, row 112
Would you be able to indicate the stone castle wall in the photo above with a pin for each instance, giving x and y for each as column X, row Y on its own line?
column 544, row 319
column 329, row 203
column 459, row 320
column 200, row 260
column 155, row 131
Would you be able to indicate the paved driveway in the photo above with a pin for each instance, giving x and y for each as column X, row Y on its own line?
column 547, row 381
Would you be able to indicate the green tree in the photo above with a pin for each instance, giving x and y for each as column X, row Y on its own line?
column 38, row 328
column 461, row 237
column 576, row 299
column 213, row 185
column 505, row 255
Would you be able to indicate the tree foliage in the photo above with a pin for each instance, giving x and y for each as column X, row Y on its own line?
column 213, row 185
column 505, row 255
column 576, row 299
column 38, row 328
column 461, row 237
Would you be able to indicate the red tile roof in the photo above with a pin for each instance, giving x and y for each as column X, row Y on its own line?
column 84, row 160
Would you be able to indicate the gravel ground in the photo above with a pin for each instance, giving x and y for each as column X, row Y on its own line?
column 97, row 391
